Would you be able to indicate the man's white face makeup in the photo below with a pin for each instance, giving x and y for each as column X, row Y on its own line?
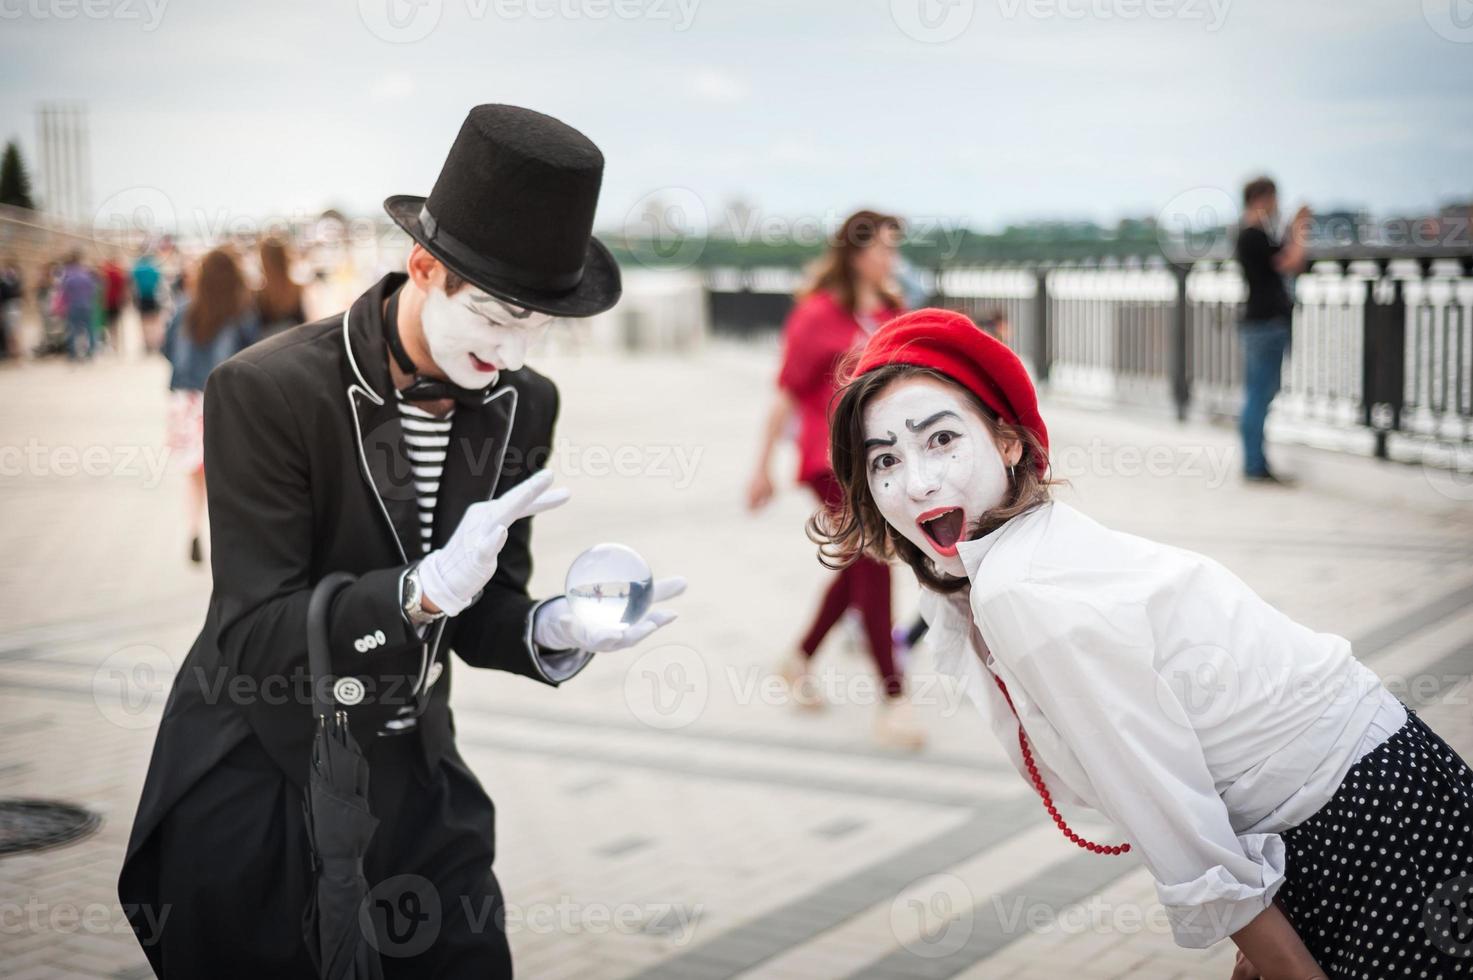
column 474, row 336
column 932, row 465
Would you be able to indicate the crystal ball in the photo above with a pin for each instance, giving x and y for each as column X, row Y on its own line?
column 609, row 585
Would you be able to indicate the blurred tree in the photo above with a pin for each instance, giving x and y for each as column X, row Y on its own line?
column 15, row 184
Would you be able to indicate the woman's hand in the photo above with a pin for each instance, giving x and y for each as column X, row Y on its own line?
column 1245, row 970
column 759, row 491
column 1272, row 942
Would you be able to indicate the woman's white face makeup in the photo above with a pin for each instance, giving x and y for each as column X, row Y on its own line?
column 474, row 336
column 932, row 464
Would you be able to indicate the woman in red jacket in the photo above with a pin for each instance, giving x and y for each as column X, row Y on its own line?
column 850, row 294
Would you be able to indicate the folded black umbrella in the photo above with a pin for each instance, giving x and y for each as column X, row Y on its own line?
column 339, row 824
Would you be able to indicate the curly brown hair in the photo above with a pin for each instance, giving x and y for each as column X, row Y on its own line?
column 855, row 527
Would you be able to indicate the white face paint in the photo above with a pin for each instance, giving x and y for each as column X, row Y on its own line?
column 932, row 465
column 473, row 336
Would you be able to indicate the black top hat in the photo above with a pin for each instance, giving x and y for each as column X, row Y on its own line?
column 512, row 213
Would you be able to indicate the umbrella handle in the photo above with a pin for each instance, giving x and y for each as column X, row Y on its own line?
column 319, row 658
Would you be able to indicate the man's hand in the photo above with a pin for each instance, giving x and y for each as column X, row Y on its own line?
column 454, row 575
column 556, row 628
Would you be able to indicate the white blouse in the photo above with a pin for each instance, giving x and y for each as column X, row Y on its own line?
column 1156, row 687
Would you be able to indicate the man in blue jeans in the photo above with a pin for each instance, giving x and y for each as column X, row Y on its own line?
column 1264, row 329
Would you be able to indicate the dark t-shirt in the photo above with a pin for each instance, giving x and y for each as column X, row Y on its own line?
column 1268, row 297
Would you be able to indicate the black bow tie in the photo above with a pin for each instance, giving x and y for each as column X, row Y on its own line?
column 423, row 389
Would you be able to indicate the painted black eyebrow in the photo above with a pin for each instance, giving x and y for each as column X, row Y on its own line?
column 927, row 423
column 872, row 443
column 512, row 312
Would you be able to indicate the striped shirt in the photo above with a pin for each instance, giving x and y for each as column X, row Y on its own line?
column 426, row 439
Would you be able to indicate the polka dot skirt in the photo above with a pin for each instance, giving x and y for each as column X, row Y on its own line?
column 1380, row 880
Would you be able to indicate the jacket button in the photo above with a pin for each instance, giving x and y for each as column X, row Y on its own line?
column 379, row 636
column 358, row 645
column 348, row 691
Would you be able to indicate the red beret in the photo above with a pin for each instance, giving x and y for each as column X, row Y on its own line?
column 951, row 343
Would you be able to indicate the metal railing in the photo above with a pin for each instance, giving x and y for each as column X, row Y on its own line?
column 1381, row 359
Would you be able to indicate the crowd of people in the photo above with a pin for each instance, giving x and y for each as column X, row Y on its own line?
column 196, row 313
column 81, row 299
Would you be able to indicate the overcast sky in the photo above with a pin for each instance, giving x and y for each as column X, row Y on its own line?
column 983, row 111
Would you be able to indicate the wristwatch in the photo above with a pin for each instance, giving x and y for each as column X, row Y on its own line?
column 411, row 598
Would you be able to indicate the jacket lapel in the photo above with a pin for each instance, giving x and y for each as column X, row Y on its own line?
column 473, row 464
column 382, row 459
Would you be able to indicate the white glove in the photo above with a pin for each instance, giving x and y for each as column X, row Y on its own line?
column 454, row 575
column 556, row 628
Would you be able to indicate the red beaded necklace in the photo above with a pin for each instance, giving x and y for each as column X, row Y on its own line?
column 1048, row 803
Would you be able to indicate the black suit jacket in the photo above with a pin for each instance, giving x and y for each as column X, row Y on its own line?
column 307, row 475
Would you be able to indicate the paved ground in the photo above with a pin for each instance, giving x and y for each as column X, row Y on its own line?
column 665, row 815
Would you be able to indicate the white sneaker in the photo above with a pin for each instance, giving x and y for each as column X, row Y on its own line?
column 896, row 727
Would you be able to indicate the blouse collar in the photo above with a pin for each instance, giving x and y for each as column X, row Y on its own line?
column 974, row 551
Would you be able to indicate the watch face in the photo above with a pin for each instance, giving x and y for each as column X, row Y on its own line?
column 411, row 599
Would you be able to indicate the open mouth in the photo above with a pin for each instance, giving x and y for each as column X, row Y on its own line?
column 943, row 526
column 480, row 365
